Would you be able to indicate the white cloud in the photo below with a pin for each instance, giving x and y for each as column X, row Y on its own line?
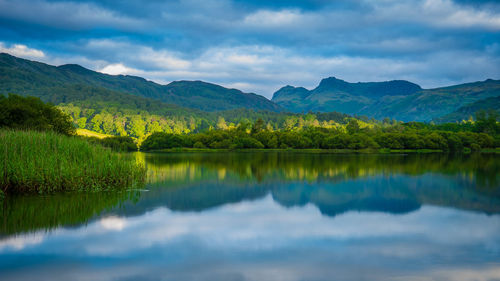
column 119, row 68
column 113, row 223
column 266, row 18
column 162, row 59
column 22, row 51
column 441, row 13
column 447, row 13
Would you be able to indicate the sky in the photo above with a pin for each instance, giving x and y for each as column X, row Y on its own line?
column 260, row 46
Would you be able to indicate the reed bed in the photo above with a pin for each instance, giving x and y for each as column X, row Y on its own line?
column 46, row 162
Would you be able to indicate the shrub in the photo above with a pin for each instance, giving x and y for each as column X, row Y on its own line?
column 199, row 144
column 117, row 143
column 30, row 113
column 475, row 147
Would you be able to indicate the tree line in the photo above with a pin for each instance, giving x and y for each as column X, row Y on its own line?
column 243, row 128
column 483, row 134
column 103, row 117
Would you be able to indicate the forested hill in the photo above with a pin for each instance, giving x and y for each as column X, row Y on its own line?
column 129, row 105
column 467, row 111
column 401, row 100
column 62, row 84
column 104, row 103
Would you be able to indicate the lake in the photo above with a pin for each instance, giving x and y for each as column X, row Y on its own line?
column 268, row 216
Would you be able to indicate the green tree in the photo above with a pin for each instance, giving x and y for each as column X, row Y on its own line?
column 137, row 127
column 30, row 113
column 486, row 122
column 221, row 124
column 81, row 122
column 353, row 126
column 258, row 126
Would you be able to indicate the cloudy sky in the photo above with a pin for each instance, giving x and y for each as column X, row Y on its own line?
column 259, row 46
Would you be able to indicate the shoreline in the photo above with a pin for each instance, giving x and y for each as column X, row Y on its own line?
column 319, row 150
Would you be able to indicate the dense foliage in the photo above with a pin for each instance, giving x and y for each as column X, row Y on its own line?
column 482, row 134
column 44, row 162
column 112, row 119
column 116, row 143
column 30, row 113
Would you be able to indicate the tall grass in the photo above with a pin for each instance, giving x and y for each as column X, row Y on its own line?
column 45, row 162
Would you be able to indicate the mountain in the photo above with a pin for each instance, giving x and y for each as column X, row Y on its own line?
column 334, row 94
column 210, row 97
column 466, row 111
column 398, row 99
column 401, row 100
column 431, row 104
column 50, row 82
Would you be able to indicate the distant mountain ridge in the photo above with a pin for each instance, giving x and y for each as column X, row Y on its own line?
column 388, row 88
column 398, row 99
column 38, row 79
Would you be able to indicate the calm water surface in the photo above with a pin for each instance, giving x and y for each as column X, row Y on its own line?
column 268, row 216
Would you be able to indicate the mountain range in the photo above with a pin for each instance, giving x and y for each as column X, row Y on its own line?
column 51, row 83
column 398, row 99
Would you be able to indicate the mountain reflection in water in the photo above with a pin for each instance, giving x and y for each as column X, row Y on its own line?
column 268, row 216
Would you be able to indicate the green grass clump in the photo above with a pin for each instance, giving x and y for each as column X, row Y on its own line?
column 44, row 162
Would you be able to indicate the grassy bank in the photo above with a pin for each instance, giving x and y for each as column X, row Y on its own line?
column 45, row 162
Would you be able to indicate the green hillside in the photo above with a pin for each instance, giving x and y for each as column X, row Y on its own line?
column 52, row 83
column 399, row 100
column 333, row 94
column 431, row 104
column 467, row 111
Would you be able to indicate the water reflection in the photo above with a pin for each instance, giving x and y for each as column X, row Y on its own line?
column 479, row 170
column 261, row 240
column 333, row 183
column 272, row 216
column 32, row 212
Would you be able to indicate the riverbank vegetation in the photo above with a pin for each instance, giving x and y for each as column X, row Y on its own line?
column 40, row 154
column 30, row 113
column 355, row 135
column 116, row 143
column 45, row 162
column 243, row 128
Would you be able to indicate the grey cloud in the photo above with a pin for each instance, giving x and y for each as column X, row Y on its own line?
column 66, row 15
